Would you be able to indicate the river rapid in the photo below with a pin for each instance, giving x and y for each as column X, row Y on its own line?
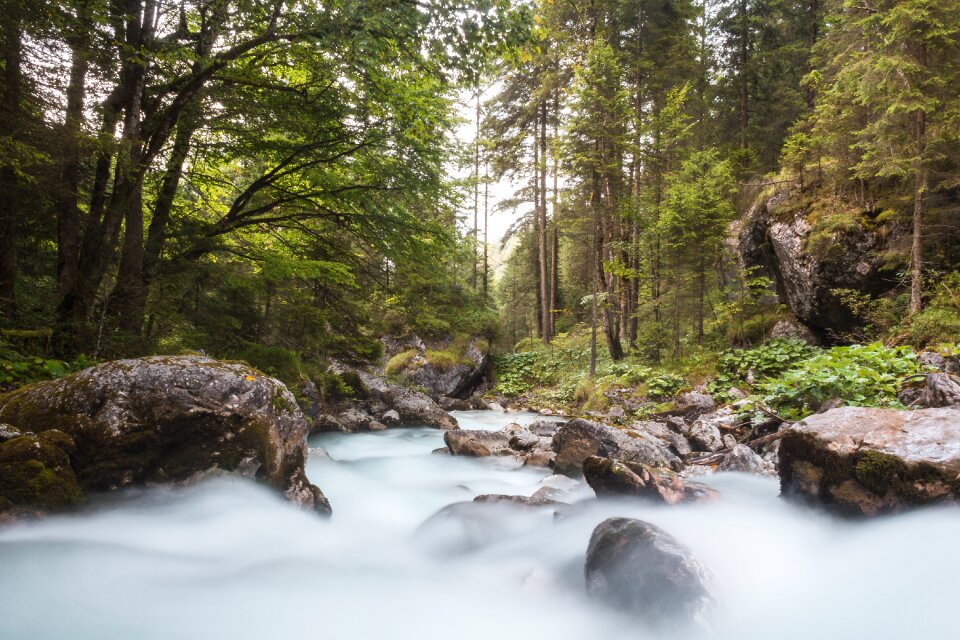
column 226, row 559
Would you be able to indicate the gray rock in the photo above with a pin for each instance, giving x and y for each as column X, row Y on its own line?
column 616, row 413
column 705, row 436
column 775, row 237
column 376, row 426
column 729, row 442
column 868, row 461
column 412, row 406
column 456, row 380
column 611, row 478
column 742, row 458
column 787, row 329
column 390, row 417
column 524, row 440
column 326, row 423
column 493, row 406
column 170, row 419
column 693, row 404
column 638, row 568
column 545, row 428
column 579, row 439
column 354, row 420
column 935, row 390
column 476, row 443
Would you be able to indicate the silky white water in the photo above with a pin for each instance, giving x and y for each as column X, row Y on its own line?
column 228, row 559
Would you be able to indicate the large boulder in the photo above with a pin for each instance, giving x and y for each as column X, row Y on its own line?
column 412, row 406
column 872, row 461
column 477, row 443
column 579, row 439
column 36, row 476
column 610, row 478
column 809, row 265
column 171, row 419
column 641, row 570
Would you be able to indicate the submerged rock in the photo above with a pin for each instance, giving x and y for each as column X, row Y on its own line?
column 170, row 419
column 611, row 478
column 872, row 461
column 641, row 570
column 579, row 439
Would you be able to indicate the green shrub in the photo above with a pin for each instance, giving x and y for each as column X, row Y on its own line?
column 278, row 362
column 861, row 375
column 400, row 362
column 934, row 326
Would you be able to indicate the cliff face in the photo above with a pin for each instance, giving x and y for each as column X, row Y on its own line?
column 809, row 264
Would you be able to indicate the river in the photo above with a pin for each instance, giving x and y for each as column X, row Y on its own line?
column 226, row 559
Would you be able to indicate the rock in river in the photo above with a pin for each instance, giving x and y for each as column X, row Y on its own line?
column 579, row 439
column 170, row 419
column 873, row 461
column 640, row 569
column 36, row 476
column 611, row 478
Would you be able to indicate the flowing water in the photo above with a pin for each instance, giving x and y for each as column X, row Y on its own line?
column 228, row 559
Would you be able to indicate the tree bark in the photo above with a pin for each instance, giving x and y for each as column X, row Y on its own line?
column 542, row 224
column 68, row 211
column 10, row 187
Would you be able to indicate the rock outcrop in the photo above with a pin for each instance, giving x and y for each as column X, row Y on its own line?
column 447, row 368
column 808, row 265
column 865, row 461
column 171, row 419
column 640, row 569
column 609, row 478
column 412, row 406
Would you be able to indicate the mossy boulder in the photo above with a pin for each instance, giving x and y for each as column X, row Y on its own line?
column 36, row 476
column 609, row 478
column 449, row 367
column 171, row 419
column 867, row 461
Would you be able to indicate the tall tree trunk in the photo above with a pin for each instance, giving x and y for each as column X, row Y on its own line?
column 919, row 194
column 542, row 224
column 554, row 220
column 595, row 210
column 476, row 195
column 744, row 76
column 486, row 217
column 68, row 211
column 10, row 125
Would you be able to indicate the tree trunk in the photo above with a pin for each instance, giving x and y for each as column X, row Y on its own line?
column 10, row 187
column 542, row 224
column 476, row 196
column 68, row 211
column 919, row 194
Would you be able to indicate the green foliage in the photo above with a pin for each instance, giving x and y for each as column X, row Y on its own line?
column 934, row 326
column 280, row 363
column 860, row 375
column 737, row 367
column 17, row 368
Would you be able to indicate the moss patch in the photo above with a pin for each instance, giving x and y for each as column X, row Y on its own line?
column 35, row 473
column 878, row 472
